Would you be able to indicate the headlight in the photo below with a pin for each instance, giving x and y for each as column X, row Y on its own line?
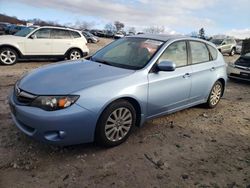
column 50, row 103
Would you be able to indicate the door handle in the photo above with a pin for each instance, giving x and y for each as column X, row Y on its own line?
column 187, row 75
column 212, row 69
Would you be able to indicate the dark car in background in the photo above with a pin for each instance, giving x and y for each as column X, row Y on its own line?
column 90, row 37
column 109, row 34
column 3, row 26
column 14, row 29
column 240, row 69
column 98, row 33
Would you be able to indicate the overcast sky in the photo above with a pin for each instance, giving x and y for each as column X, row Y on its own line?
column 230, row 17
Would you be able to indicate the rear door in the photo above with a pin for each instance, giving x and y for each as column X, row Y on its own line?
column 39, row 43
column 169, row 91
column 62, row 41
column 203, row 71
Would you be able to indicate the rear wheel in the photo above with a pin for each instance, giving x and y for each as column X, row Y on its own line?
column 8, row 56
column 115, row 124
column 215, row 95
column 75, row 54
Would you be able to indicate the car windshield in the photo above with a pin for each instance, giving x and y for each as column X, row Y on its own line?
column 24, row 32
column 216, row 41
column 128, row 53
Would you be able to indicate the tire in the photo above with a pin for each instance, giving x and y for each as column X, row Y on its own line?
column 74, row 54
column 89, row 41
column 215, row 95
column 8, row 56
column 115, row 124
column 232, row 52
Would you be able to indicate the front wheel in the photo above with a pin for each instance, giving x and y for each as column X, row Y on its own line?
column 74, row 54
column 115, row 124
column 215, row 95
column 8, row 56
column 232, row 52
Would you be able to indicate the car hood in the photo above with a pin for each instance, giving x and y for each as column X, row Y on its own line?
column 10, row 37
column 69, row 77
column 243, row 61
column 245, row 47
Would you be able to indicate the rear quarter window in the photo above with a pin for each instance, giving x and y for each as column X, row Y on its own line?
column 213, row 52
column 75, row 34
column 199, row 51
column 60, row 34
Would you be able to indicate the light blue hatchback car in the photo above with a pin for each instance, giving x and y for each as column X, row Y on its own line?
column 121, row 86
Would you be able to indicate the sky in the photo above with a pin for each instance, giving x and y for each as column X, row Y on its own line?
column 230, row 17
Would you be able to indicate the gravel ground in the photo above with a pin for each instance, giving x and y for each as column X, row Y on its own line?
column 195, row 147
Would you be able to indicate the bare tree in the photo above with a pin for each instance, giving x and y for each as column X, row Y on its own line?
column 154, row 29
column 119, row 25
column 202, row 33
column 82, row 25
column 109, row 27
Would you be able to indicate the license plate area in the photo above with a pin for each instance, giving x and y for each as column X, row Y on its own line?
column 245, row 75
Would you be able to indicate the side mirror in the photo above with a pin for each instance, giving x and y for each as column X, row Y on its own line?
column 33, row 36
column 223, row 43
column 166, row 66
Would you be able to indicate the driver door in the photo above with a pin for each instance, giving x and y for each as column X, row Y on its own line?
column 170, row 90
column 39, row 43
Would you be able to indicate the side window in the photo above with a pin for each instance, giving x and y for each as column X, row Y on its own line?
column 213, row 52
column 60, row 34
column 177, row 53
column 75, row 34
column 199, row 52
column 42, row 34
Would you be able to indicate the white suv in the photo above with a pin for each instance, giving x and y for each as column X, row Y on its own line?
column 42, row 42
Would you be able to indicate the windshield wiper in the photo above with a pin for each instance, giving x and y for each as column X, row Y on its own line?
column 100, row 61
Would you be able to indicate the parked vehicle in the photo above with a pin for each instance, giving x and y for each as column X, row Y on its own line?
column 130, row 33
column 90, row 37
column 131, row 80
column 119, row 35
column 227, row 45
column 3, row 26
column 15, row 28
column 240, row 69
column 52, row 42
column 239, row 47
column 109, row 34
column 98, row 33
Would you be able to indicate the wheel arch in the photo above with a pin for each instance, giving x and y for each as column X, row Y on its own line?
column 19, row 53
column 74, row 48
column 223, row 82
column 132, row 101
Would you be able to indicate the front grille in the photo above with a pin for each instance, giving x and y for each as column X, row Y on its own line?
column 23, row 96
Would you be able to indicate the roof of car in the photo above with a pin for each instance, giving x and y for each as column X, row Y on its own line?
column 160, row 37
column 54, row 27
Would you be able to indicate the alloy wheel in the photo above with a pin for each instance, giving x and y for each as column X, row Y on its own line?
column 216, row 94
column 8, row 57
column 75, row 55
column 118, row 124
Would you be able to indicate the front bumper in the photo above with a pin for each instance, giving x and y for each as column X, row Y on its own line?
column 73, row 125
column 238, row 73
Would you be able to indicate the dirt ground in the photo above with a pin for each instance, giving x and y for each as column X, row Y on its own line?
column 196, row 147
